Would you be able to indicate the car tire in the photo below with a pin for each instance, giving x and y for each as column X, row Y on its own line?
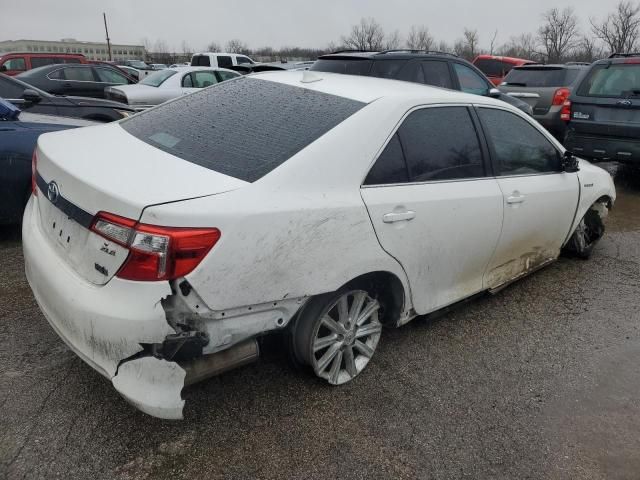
column 588, row 232
column 336, row 334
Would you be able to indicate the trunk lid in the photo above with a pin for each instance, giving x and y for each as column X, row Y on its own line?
column 82, row 172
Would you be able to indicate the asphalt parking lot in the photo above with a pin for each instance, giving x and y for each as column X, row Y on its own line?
column 538, row 381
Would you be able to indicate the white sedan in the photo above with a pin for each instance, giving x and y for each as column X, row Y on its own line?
column 338, row 205
column 166, row 84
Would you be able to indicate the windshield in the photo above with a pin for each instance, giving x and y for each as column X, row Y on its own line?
column 156, row 79
column 243, row 128
column 618, row 80
column 349, row 66
column 541, row 77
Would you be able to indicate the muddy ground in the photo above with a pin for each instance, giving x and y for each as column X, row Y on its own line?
column 540, row 381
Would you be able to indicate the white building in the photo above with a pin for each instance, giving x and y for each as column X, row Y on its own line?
column 92, row 50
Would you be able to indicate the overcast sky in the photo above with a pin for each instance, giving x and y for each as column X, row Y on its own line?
column 274, row 23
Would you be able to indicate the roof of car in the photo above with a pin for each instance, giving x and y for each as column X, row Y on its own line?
column 501, row 58
column 367, row 89
column 387, row 54
column 551, row 66
column 620, row 58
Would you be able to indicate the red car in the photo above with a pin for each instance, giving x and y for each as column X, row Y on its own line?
column 496, row 68
column 16, row 62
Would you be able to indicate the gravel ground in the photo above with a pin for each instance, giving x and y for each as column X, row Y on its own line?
column 538, row 381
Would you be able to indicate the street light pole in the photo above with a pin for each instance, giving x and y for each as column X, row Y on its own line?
column 104, row 15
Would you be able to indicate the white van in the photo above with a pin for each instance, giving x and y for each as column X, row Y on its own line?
column 219, row 60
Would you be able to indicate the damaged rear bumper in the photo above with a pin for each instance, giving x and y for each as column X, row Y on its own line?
column 105, row 325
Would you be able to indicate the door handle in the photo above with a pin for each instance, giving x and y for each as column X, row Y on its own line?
column 398, row 216
column 515, row 198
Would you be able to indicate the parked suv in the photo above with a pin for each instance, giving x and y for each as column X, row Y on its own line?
column 546, row 88
column 496, row 68
column 15, row 63
column 219, row 60
column 432, row 68
column 605, row 111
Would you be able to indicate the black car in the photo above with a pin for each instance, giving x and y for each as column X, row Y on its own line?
column 83, row 80
column 34, row 100
column 431, row 68
column 605, row 111
column 19, row 133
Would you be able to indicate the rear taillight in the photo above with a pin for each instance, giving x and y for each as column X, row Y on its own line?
column 565, row 113
column 34, row 173
column 561, row 95
column 156, row 253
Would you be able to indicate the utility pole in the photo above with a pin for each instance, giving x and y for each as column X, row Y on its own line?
column 104, row 15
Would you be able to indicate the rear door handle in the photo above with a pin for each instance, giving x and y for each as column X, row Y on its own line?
column 515, row 198
column 398, row 216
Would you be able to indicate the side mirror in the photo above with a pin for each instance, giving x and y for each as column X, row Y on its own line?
column 31, row 96
column 495, row 93
column 570, row 162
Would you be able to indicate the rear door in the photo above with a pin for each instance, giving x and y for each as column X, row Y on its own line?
column 78, row 81
column 540, row 200
column 434, row 206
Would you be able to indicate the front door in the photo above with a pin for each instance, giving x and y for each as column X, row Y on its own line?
column 540, row 200
column 433, row 206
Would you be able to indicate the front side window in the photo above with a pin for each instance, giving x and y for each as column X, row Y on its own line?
column 412, row 72
column 242, row 60
column 42, row 61
column 107, row 75
column 390, row 167
column 200, row 61
column 15, row 64
column 470, row 81
column 224, row 61
column 387, row 68
column 441, row 143
column 78, row 74
column 518, row 147
column 437, row 74
column 224, row 75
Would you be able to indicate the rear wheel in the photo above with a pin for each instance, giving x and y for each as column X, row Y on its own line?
column 337, row 334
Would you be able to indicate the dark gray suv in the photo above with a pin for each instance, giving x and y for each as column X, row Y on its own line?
column 605, row 111
column 431, row 68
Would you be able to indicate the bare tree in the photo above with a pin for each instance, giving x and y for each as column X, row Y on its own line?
column 419, row 38
column 559, row 33
column 213, row 47
column 367, row 35
column 522, row 46
column 237, row 46
column 493, row 43
column 588, row 49
column 471, row 40
column 392, row 41
column 620, row 31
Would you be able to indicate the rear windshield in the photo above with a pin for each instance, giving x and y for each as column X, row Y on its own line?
column 156, row 79
column 541, row 77
column 618, row 80
column 350, row 66
column 200, row 61
column 244, row 127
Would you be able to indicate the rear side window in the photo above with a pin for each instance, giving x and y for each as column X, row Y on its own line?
column 412, row 72
column 224, row 61
column 203, row 79
column 441, row 144
column 212, row 128
column 519, row 148
column 539, row 77
column 107, row 75
column 242, row 60
column 200, row 61
column 223, row 75
column 387, row 68
column 616, row 80
column 390, row 167
column 78, row 74
column 437, row 74
column 350, row 66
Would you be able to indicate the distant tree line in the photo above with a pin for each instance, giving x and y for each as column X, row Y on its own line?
column 559, row 38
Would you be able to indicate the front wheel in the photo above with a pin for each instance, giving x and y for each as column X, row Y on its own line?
column 588, row 232
column 337, row 334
